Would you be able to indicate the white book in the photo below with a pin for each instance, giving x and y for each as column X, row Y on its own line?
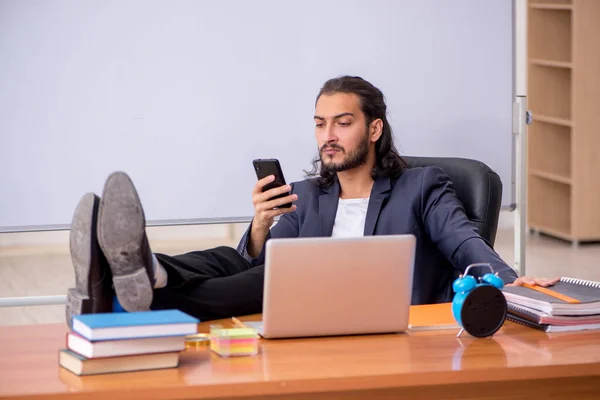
column 113, row 348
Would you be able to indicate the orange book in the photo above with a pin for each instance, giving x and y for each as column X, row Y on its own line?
column 432, row 316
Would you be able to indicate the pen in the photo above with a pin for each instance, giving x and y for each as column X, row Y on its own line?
column 552, row 293
column 238, row 323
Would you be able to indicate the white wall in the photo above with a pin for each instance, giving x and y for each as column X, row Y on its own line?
column 147, row 95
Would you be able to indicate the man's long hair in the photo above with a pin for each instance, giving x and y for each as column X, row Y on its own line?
column 388, row 162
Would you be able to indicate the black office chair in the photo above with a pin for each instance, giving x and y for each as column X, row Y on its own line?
column 477, row 187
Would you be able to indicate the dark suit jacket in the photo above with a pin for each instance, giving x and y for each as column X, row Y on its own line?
column 421, row 202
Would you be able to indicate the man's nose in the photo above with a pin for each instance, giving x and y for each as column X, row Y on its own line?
column 330, row 135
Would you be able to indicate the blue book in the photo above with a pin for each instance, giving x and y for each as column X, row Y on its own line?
column 114, row 326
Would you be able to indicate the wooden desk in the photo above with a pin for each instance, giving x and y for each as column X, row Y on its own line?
column 518, row 363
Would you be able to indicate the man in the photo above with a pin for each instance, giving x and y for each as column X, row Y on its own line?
column 360, row 186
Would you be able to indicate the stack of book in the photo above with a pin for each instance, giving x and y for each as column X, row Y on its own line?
column 121, row 342
column 569, row 305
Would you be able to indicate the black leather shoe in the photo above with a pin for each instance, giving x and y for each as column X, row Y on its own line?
column 122, row 237
column 93, row 284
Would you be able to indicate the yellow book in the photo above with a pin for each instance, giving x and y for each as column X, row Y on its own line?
column 432, row 316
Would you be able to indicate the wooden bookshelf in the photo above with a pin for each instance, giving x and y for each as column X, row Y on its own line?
column 563, row 148
column 550, row 176
column 549, row 2
column 549, row 87
column 549, row 63
column 546, row 6
column 552, row 120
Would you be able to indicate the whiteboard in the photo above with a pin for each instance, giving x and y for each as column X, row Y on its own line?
column 183, row 95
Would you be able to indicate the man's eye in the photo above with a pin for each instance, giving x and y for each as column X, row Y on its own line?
column 344, row 123
column 319, row 125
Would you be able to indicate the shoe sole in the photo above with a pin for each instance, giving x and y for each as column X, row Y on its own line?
column 81, row 237
column 121, row 228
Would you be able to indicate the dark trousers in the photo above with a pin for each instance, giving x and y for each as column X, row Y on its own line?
column 211, row 284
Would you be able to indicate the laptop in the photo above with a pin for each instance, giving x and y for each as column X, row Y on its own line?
column 336, row 286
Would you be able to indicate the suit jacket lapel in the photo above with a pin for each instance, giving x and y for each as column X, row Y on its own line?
column 379, row 194
column 328, row 203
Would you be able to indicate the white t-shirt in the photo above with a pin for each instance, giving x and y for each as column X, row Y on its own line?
column 350, row 218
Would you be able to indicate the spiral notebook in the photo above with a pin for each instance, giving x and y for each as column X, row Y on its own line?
column 539, row 317
column 587, row 293
column 551, row 328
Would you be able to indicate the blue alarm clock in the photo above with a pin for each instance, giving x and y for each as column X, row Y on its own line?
column 479, row 306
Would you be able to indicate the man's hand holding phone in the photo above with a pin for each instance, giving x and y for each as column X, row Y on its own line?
column 267, row 206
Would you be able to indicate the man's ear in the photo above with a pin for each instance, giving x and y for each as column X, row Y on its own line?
column 375, row 130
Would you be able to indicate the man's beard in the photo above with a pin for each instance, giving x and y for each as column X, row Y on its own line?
column 355, row 159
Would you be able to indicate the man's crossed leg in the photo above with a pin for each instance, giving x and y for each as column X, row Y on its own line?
column 115, row 268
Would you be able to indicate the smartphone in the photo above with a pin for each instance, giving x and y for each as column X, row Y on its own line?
column 271, row 166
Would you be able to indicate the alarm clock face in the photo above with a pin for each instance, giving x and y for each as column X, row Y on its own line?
column 483, row 311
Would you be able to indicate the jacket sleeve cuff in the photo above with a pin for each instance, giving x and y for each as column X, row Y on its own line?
column 476, row 250
column 243, row 248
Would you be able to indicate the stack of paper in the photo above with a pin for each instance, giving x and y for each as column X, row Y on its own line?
column 234, row 342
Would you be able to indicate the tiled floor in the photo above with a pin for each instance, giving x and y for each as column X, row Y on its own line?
column 46, row 270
